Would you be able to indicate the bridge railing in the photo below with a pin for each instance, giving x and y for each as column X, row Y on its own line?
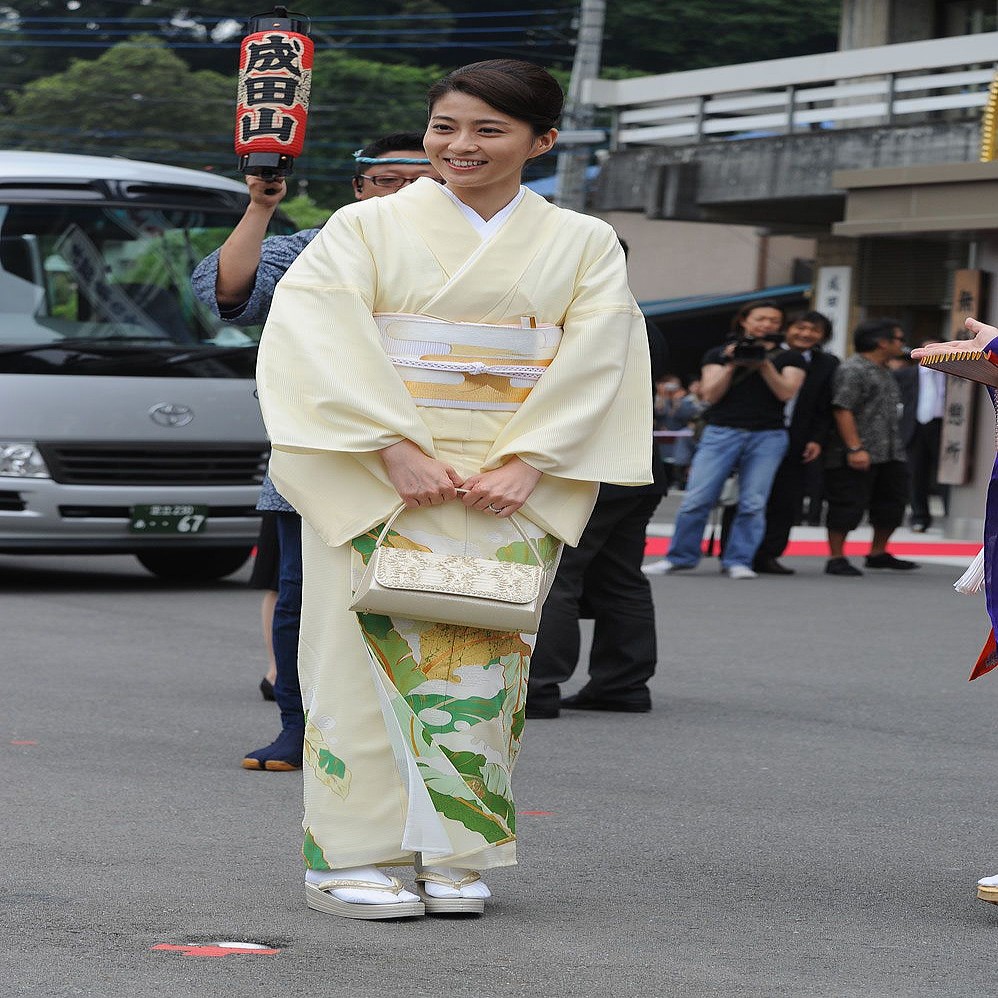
column 883, row 85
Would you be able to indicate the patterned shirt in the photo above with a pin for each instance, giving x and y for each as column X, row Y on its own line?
column 870, row 392
column 276, row 255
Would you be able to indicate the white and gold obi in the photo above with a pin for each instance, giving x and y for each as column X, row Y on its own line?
column 467, row 365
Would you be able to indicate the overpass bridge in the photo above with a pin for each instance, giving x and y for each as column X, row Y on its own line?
column 760, row 143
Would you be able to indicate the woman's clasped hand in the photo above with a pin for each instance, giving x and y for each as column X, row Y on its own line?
column 421, row 480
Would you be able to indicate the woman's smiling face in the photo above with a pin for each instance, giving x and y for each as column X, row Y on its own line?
column 473, row 145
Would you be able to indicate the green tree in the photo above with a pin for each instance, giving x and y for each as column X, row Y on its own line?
column 137, row 99
column 141, row 100
column 666, row 36
column 356, row 100
column 304, row 212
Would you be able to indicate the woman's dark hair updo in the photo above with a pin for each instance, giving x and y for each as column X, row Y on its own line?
column 519, row 89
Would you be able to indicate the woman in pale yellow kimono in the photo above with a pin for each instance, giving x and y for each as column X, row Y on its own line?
column 469, row 336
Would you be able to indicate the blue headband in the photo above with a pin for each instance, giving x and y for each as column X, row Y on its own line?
column 388, row 159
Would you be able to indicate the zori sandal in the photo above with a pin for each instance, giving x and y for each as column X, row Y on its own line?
column 318, row 896
column 987, row 890
column 449, row 905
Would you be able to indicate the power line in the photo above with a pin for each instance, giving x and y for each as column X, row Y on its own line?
column 324, row 19
column 388, row 32
column 336, row 46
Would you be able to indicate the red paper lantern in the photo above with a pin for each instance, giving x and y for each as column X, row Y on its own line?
column 275, row 77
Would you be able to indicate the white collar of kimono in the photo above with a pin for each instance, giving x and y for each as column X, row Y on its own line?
column 486, row 230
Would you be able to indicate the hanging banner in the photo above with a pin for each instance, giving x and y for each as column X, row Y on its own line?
column 832, row 292
column 956, row 446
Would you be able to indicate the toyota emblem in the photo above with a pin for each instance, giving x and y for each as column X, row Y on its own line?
column 169, row 414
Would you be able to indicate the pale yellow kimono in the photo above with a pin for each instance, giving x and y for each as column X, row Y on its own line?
column 413, row 728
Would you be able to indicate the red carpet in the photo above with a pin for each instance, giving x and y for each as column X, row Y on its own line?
column 658, row 546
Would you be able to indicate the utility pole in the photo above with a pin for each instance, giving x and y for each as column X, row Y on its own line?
column 571, row 177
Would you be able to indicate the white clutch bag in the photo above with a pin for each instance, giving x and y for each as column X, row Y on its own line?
column 454, row 589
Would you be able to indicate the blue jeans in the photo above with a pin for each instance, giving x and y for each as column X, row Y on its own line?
column 755, row 455
column 287, row 621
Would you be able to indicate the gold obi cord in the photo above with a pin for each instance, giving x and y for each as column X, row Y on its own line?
column 466, row 365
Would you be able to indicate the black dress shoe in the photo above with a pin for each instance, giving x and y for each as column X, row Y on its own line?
column 770, row 566
column 267, row 689
column 578, row 702
column 841, row 566
column 540, row 710
column 886, row 560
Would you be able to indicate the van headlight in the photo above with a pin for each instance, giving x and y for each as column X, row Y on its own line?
column 21, row 459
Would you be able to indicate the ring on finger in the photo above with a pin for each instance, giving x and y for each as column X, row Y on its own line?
column 494, row 509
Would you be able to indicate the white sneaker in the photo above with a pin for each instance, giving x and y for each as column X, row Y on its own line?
column 740, row 572
column 663, row 567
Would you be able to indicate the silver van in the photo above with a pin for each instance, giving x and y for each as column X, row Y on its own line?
column 128, row 414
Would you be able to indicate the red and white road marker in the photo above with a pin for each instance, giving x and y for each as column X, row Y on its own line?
column 223, row 948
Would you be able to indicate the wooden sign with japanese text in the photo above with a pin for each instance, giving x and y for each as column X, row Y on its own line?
column 957, row 444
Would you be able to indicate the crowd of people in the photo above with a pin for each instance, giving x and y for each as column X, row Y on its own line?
column 773, row 419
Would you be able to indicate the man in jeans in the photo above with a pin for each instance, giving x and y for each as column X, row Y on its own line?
column 866, row 469
column 746, row 385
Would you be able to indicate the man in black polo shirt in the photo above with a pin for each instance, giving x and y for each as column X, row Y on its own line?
column 746, row 384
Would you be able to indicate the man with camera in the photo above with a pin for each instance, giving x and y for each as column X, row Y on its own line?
column 746, row 384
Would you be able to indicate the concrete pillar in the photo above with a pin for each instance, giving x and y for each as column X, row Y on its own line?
column 840, row 251
column 866, row 23
column 912, row 20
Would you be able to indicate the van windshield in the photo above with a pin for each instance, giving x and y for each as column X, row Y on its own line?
column 105, row 289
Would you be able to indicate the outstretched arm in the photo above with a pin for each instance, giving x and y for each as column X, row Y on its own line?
column 983, row 335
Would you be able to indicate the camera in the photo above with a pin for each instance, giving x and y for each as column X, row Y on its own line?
column 753, row 349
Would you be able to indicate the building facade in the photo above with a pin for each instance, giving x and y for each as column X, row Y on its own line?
column 873, row 152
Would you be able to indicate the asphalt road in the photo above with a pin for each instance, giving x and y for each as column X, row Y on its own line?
column 804, row 813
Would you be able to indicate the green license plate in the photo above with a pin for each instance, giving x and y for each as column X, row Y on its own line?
column 168, row 519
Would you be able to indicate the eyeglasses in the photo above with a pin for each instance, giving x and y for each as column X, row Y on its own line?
column 390, row 183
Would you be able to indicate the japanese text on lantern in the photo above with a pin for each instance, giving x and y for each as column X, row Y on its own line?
column 275, row 77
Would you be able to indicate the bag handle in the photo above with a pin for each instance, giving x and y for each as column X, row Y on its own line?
column 512, row 519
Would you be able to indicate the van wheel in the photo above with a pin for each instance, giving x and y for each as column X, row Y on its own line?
column 201, row 565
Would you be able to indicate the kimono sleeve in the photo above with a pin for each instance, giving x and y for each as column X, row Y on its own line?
column 324, row 380
column 589, row 418
column 330, row 397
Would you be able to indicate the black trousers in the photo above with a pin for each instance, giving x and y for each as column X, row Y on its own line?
column 923, row 462
column 601, row 578
column 881, row 491
column 783, row 510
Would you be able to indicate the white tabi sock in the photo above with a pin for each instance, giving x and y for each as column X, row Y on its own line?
column 473, row 890
column 988, row 881
column 360, row 894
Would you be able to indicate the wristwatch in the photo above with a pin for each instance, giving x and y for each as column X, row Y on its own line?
column 855, row 450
